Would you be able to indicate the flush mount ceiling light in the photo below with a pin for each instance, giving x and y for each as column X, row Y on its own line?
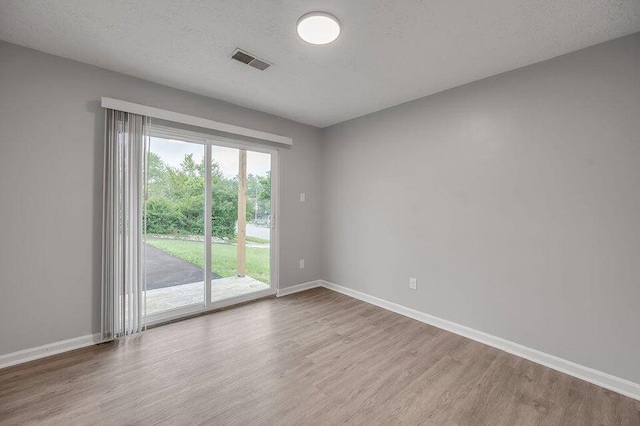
column 318, row 27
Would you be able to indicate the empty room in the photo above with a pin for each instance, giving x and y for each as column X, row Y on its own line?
column 415, row 212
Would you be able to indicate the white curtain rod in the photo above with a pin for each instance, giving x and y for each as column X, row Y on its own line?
column 193, row 121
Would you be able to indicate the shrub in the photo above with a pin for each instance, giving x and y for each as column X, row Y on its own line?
column 163, row 216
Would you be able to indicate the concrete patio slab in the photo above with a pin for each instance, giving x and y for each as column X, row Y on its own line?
column 179, row 296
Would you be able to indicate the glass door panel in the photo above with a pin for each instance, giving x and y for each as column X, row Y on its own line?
column 208, row 219
column 174, row 225
column 240, row 222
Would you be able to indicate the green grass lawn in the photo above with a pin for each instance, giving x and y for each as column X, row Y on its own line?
column 223, row 256
column 256, row 240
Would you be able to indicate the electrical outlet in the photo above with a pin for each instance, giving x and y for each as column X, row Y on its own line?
column 303, row 197
column 413, row 283
column 301, row 263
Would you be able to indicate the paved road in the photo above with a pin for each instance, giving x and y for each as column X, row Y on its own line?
column 258, row 231
column 164, row 270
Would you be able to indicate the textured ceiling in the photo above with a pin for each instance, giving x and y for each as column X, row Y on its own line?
column 389, row 52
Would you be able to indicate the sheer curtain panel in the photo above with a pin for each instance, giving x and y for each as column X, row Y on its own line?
column 122, row 256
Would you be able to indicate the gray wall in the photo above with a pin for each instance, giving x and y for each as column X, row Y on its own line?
column 51, row 152
column 514, row 200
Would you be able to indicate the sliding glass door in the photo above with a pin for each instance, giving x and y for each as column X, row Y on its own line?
column 209, row 214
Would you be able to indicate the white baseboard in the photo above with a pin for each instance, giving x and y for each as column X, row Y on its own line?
column 299, row 287
column 605, row 380
column 38, row 352
column 31, row 354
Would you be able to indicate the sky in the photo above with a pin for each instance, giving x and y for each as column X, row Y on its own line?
column 172, row 152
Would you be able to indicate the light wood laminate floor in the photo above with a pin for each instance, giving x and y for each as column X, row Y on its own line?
column 316, row 358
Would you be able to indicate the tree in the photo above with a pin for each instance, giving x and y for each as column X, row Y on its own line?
column 264, row 195
column 175, row 198
column 224, row 203
column 265, row 188
column 157, row 177
column 253, row 190
column 187, row 191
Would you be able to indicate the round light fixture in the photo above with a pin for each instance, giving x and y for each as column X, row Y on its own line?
column 318, row 27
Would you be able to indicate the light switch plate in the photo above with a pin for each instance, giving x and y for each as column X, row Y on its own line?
column 413, row 283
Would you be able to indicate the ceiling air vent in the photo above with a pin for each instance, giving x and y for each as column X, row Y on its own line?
column 249, row 59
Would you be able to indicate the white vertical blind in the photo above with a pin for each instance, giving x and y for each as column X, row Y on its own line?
column 122, row 271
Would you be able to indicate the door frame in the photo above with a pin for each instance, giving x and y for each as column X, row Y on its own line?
column 208, row 140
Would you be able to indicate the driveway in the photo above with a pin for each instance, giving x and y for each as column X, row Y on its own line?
column 164, row 270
